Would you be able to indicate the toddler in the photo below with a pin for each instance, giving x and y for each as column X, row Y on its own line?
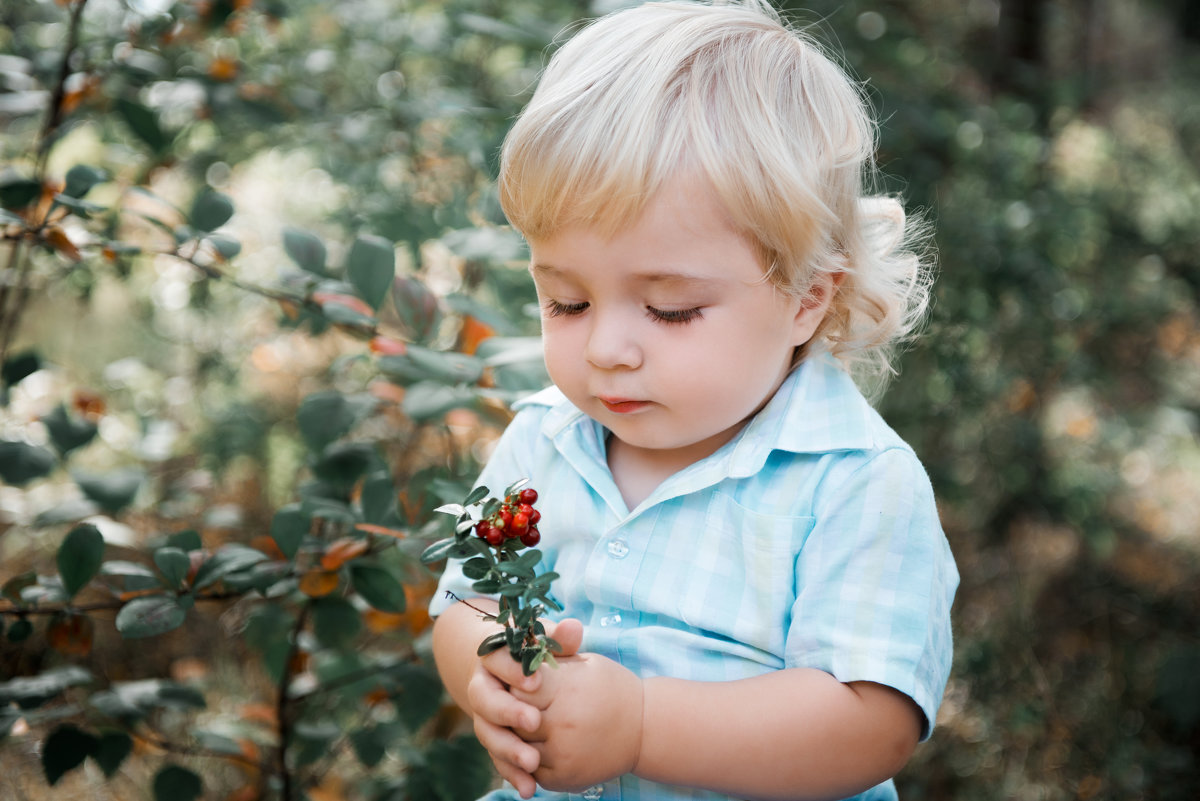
column 755, row 584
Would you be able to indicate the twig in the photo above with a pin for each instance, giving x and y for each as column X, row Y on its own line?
column 282, row 704
column 9, row 608
column 54, row 113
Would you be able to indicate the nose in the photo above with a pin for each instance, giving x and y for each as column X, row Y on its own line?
column 613, row 342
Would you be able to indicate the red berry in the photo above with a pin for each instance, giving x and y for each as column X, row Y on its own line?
column 534, row 517
column 482, row 527
column 520, row 524
column 494, row 537
column 531, row 538
column 525, row 509
column 528, row 496
column 505, row 518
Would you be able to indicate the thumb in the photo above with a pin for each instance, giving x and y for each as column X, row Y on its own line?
column 569, row 634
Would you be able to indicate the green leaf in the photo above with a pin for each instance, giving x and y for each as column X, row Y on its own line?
column 111, row 491
column 325, row 416
column 378, row 587
column 225, row 245
column 21, row 462
column 12, row 588
column 144, row 124
column 370, row 744
column 79, row 557
column 133, row 700
column 493, row 642
column 33, row 691
column 457, row 770
column 306, row 249
column 174, row 783
column 20, row 631
column 111, row 750
column 17, row 193
column 289, row 527
column 187, row 539
column 379, row 499
column 418, row 694
column 416, row 307
column 19, row 366
column 64, row 750
column 150, row 616
column 210, row 210
column 476, row 568
column 68, row 432
column 424, row 364
column 335, row 621
column 438, row 551
column 371, row 266
column 81, row 178
column 228, row 559
column 429, row 400
column 343, row 464
column 174, row 565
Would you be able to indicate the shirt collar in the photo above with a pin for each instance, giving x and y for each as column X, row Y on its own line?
column 817, row 409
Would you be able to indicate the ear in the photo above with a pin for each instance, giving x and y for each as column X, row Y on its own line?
column 813, row 308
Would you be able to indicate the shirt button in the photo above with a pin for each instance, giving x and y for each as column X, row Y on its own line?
column 618, row 549
column 610, row 620
column 593, row 793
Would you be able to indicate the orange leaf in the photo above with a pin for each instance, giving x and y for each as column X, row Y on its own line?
column 223, row 69
column 386, row 346
column 371, row 528
column 319, row 583
column 473, row 333
column 349, row 301
column 384, row 622
column 342, row 551
column 377, row 696
column 386, row 391
column 88, row 404
column 71, row 634
column 290, row 310
column 246, row 792
column 57, row 238
column 259, row 713
column 268, row 546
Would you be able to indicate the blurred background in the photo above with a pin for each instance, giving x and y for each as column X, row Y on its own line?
column 1053, row 146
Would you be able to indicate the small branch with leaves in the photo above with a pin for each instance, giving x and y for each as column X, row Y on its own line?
column 498, row 547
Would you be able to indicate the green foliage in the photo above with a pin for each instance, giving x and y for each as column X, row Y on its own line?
column 223, row 186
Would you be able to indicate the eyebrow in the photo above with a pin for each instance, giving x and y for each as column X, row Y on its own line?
column 656, row 277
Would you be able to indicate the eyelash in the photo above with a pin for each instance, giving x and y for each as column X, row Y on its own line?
column 671, row 317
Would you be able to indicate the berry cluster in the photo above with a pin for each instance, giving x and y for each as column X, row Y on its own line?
column 514, row 519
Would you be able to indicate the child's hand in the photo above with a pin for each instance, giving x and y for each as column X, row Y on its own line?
column 498, row 712
column 590, row 722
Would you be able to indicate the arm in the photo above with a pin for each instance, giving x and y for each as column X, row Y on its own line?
column 480, row 686
column 791, row 734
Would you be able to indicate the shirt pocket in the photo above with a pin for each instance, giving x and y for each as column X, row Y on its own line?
column 740, row 581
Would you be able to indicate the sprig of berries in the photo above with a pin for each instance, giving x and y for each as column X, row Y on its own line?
column 500, row 558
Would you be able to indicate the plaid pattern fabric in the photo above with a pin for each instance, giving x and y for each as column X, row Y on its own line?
column 809, row 540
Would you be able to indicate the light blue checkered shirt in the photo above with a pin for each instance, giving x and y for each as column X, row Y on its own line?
column 809, row 540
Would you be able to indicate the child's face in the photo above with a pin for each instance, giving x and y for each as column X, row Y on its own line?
column 668, row 333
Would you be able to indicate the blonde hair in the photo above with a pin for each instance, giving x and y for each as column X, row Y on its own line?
column 783, row 136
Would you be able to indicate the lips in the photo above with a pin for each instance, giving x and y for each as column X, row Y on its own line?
column 623, row 405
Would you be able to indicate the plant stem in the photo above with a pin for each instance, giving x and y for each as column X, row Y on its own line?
column 54, row 113
column 283, row 704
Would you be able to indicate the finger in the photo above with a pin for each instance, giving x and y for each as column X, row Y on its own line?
column 569, row 634
column 524, row 783
column 490, row 700
column 508, row 670
column 505, row 746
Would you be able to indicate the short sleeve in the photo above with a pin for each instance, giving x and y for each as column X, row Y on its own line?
column 875, row 581
column 505, row 466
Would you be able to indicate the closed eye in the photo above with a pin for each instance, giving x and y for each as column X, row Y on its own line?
column 556, row 309
column 674, row 316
